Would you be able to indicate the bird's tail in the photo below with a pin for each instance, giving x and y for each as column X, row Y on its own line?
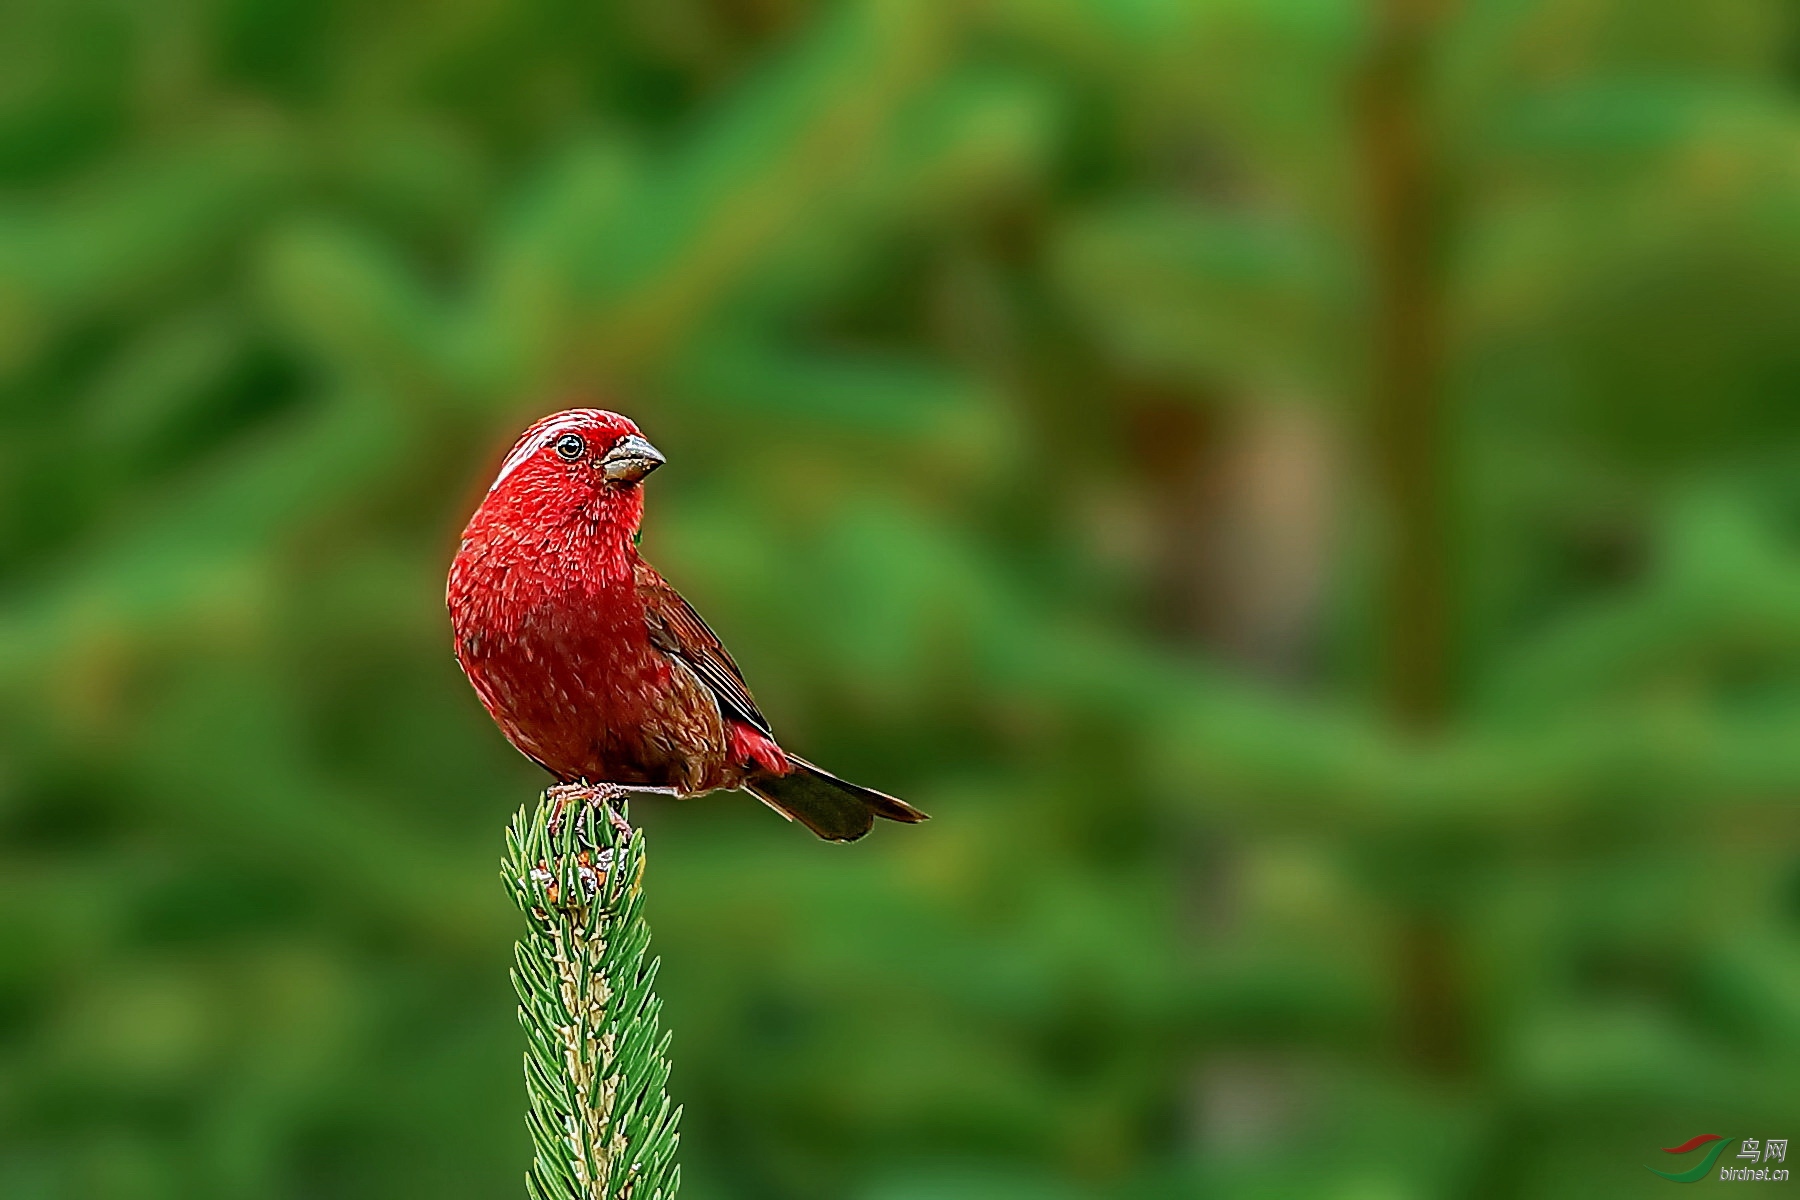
column 833, row 808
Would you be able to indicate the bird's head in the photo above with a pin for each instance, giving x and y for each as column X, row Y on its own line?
column 580, row 461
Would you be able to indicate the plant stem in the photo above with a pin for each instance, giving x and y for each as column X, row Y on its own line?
column 596, row 1065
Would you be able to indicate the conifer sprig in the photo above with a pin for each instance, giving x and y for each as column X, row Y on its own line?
column 596, row 1061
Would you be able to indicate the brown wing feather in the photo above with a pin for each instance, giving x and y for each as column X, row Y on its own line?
column 676, row 629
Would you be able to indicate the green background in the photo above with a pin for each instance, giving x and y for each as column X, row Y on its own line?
column 1305, row 493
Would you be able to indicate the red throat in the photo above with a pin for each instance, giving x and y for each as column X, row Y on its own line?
column 538, row 522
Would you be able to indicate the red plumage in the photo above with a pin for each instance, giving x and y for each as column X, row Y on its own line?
column 590, row 663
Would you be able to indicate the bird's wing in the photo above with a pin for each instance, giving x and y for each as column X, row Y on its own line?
column 677, row 630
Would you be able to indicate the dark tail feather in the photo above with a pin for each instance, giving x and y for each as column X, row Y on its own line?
column 835, row 809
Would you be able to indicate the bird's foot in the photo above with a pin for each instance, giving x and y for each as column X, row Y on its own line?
column 562, row 794
column 602, row 796
column 584, row 795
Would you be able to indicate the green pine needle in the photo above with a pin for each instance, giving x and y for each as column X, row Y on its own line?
column 596, row 1062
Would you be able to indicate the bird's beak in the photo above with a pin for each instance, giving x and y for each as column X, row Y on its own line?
column 630, row 460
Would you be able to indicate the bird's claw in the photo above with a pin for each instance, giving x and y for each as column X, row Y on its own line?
column 619, row 823
column 597, row 795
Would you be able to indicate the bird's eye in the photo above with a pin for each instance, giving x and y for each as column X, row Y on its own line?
column 570, row 447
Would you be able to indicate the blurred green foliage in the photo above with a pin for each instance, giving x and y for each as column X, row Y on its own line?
column 1014, row 364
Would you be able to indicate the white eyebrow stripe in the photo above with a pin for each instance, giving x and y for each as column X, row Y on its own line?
column 531, row 443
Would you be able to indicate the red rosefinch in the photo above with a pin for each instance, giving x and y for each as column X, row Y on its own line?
column 593, row 666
